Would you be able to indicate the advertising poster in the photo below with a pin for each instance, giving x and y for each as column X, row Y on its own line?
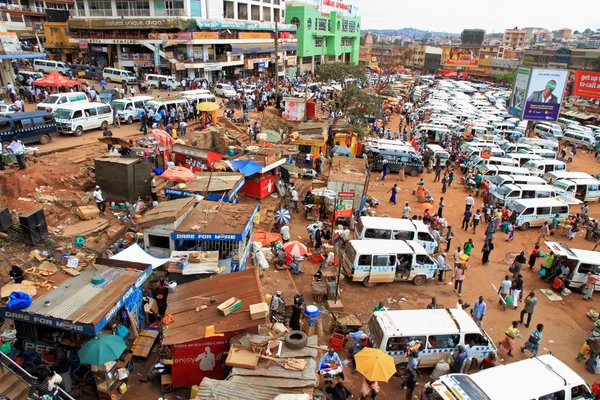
column 517, row 99
column 460, row 56
column 10, row 43
column 587, row 84
column 544, row 94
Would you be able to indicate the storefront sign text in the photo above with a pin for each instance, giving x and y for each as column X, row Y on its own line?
column 114, row 41
column 47, row 321
column 205, row 236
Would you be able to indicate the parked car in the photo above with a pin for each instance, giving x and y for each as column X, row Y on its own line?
column 86, row 71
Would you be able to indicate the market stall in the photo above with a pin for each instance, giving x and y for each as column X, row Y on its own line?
column 349, row 175
column 82, row 304
column 263, row 182
column 310, row 141
column 224, row 186
column 194, row 158
column 199, row 340
column 223, row 227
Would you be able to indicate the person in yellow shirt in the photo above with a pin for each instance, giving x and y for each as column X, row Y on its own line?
column 584, row 351
column 174, row 133
column 509, row 338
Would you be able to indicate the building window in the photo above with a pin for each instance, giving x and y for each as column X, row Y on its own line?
column 55, row 31
column 317, row 60
column 352, row 26
column 319, row 41
column 306, row 60
column 329, row 25
column 295, row 21
column 346, row 41
column 100, row 8
column 174, row 8
column 139, row 8
column 309, row 24
column 321, row 24
column 344, row 26
column 331, row 58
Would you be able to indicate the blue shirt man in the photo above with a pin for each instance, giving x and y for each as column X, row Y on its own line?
column 329, row 359
column 441, row 262
column 479, row 309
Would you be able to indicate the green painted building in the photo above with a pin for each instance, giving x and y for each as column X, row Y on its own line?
column 323, row 37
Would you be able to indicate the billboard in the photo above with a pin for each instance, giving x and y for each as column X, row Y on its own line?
column 517, row 99
column 10, row 43
column 460, row 56
column 544, row 94
column 587, row 84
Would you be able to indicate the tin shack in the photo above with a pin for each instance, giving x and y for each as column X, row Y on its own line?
column 349, row 175
column 310, row 141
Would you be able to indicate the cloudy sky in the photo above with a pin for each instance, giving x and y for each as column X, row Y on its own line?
column 493, row 16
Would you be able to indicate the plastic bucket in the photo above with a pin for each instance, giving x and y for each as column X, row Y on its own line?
column 172, row 287
column 312, row 311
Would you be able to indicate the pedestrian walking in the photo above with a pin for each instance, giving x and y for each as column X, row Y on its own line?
column 488, row 247
column 510, row 231
column 468, row 247
column 116, row 119
column 17, row 148
column 504, row 290
column 466, row 218
column 544, row 232
column 441, row 208
column 517, row 264
column 594, row 350
column 458, row 277
column 97, row 194
column 394, row 191
column 384, row 170
column 478, row 311
column 441, row 266
column 509, row 338
column 530, row 303
column 476, row 220
column 405, row 211
column 517, row 287
column 590, row 286
column 535, row 253
column 438, row 171
column 449, row 237
column 533, row 343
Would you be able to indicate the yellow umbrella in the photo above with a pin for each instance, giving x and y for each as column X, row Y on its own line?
column 207, row 106
column 375, row 365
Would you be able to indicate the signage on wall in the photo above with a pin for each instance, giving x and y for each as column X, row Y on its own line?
column 338, row 5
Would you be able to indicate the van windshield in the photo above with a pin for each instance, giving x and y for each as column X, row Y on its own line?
column 153, row 106
column 503, row 190
column 469, row 387
column 62, row 113
column 51, row 99
column 519, row 208
column 119, row 105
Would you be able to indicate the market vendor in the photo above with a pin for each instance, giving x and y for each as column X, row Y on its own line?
column 331, row 363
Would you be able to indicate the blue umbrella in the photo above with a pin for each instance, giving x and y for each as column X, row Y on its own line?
column 102, row 349
column 282, row 216
column 341, row 149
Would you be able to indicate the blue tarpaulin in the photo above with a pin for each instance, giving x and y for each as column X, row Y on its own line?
column 247, row 167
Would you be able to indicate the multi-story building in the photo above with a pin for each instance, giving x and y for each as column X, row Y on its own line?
column 324, row 37
column 195, row 38
column 541, row 36
column 564, row 33
column 562, row 58
column 27, row 17
column 425, row 58
column 514, row 39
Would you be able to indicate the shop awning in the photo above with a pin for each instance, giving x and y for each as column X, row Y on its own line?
column 135, row 253
column 247, row 167
column 256, row 48
column 22, row 55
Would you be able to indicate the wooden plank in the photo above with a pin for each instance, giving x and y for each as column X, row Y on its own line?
column 85, row 228
column 242, row 357
column 143, row 344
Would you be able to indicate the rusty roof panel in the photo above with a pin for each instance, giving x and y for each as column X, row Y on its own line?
column 212, row 389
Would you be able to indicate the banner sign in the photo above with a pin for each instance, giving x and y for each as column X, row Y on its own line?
column 544, row 94
column 517, row 99
column 460, row 56
column 587, row 84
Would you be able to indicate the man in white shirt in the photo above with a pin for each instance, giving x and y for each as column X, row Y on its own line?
column 406, row 211
column 97, row 194
column 16, row 147
column 285, row 233
column 469, row 201
column 19, row 103
column 294, row 199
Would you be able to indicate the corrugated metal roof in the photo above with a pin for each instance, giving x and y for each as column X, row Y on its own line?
column 77, row 300
column 212, row 389
column 190, row 325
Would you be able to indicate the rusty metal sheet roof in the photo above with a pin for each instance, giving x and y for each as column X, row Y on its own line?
column 280, row 383
column 277, row 371
column 212, row 389
column 77, row 300
column 190, row 325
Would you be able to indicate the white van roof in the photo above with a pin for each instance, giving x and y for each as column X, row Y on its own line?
column 381, row 246
column 543, row 202
column 426, row 322
column 387, row 223
column 525, row 178
column 585, row 256
column 531, row 187
column 81, row 104
column 554, row 374
column 420, row 225
column 134, row 98
column 545, row 161
column 567, row 175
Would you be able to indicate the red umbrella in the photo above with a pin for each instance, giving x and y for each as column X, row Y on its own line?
column 163, row 138
column 296, row 249
column 178, row 174
column 55, row 79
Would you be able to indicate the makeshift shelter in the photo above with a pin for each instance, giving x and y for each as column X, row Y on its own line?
column 123, row 179
column 224, row 186
column 261, row 171
column 54, row 79
column 194, row 158
column 135, row 253
column 195, row 349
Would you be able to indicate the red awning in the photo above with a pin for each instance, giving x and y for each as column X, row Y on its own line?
column 55, row 79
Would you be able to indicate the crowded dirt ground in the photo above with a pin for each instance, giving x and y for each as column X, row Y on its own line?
column 61, row 176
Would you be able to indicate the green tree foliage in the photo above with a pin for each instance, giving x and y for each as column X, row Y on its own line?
column 340, row 71
column 506, row 77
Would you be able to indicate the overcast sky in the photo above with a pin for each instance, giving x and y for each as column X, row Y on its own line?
column 493, row 16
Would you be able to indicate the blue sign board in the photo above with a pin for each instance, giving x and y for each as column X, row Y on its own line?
column 261, row 64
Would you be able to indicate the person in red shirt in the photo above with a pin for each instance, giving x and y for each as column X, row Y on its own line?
column 488, row 362
column 559, row 283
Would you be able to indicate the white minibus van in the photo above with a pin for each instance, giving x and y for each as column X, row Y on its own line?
column 158, row 105
column 542, row 167
column 542, row 378
column 534, row 212
column 579, row 261
column 127, row 108
column 492, row 170
column 555, row 175
column 118, row 75
column 500, row 180
column 53, row 101
column 507, row 193
column 522, row 158
column 395, row 229
column 47, row 66
column 439, row 152
column 583, row 189
column 479, row 162
column 76, row 118
column 434, row 334
column 156, row 81
column 544, row 153
column 383, row 261
column 543, row 143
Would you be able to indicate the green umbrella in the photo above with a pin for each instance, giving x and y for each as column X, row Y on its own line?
column 272, row 136
column 102, row 349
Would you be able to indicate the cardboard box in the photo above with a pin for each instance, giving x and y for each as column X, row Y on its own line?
column 259, row 311
column 229, row 306
column 151, row 307
column 87, row 212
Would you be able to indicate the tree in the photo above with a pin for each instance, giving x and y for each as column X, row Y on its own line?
column 340, row 71
column 528, row 59
column 390, row 66
column 576, row 33
column 357, row 104
column 596, row 64
column 506, row 77
column 588, row 31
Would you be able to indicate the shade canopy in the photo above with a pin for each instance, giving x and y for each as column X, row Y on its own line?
column 207, row 106
column 295, row 249
column 374, row 364
column 178, row 174
column 55, row 79
column 102, row 349
column 163, row 138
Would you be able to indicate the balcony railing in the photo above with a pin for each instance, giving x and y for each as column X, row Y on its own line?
column 16, row 7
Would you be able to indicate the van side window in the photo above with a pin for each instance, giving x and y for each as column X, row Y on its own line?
column 27, row 123
column 404, row 343
column 543, row 210
column 40, row 121
column 377, row 234
column 364, row 260
column 560, row 395
column 585, row 268
column 424, row 236
column 543, row 195
column 80, row 97
column 580, row 392
column 403, row 235
column 477, row 338
column 62, row 100
column 528, row 194
column 91, row 112
column 443, row 341
column 384, row 261
column 560, row 210
column 4, row 126
column 78, row 114
column 104, row 110
column 528, row 211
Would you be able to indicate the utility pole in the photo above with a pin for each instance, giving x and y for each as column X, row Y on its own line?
column 276, row 60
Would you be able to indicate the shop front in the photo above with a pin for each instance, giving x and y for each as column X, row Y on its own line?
column 226, row 228
column 213, row 186
column 264, row 182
